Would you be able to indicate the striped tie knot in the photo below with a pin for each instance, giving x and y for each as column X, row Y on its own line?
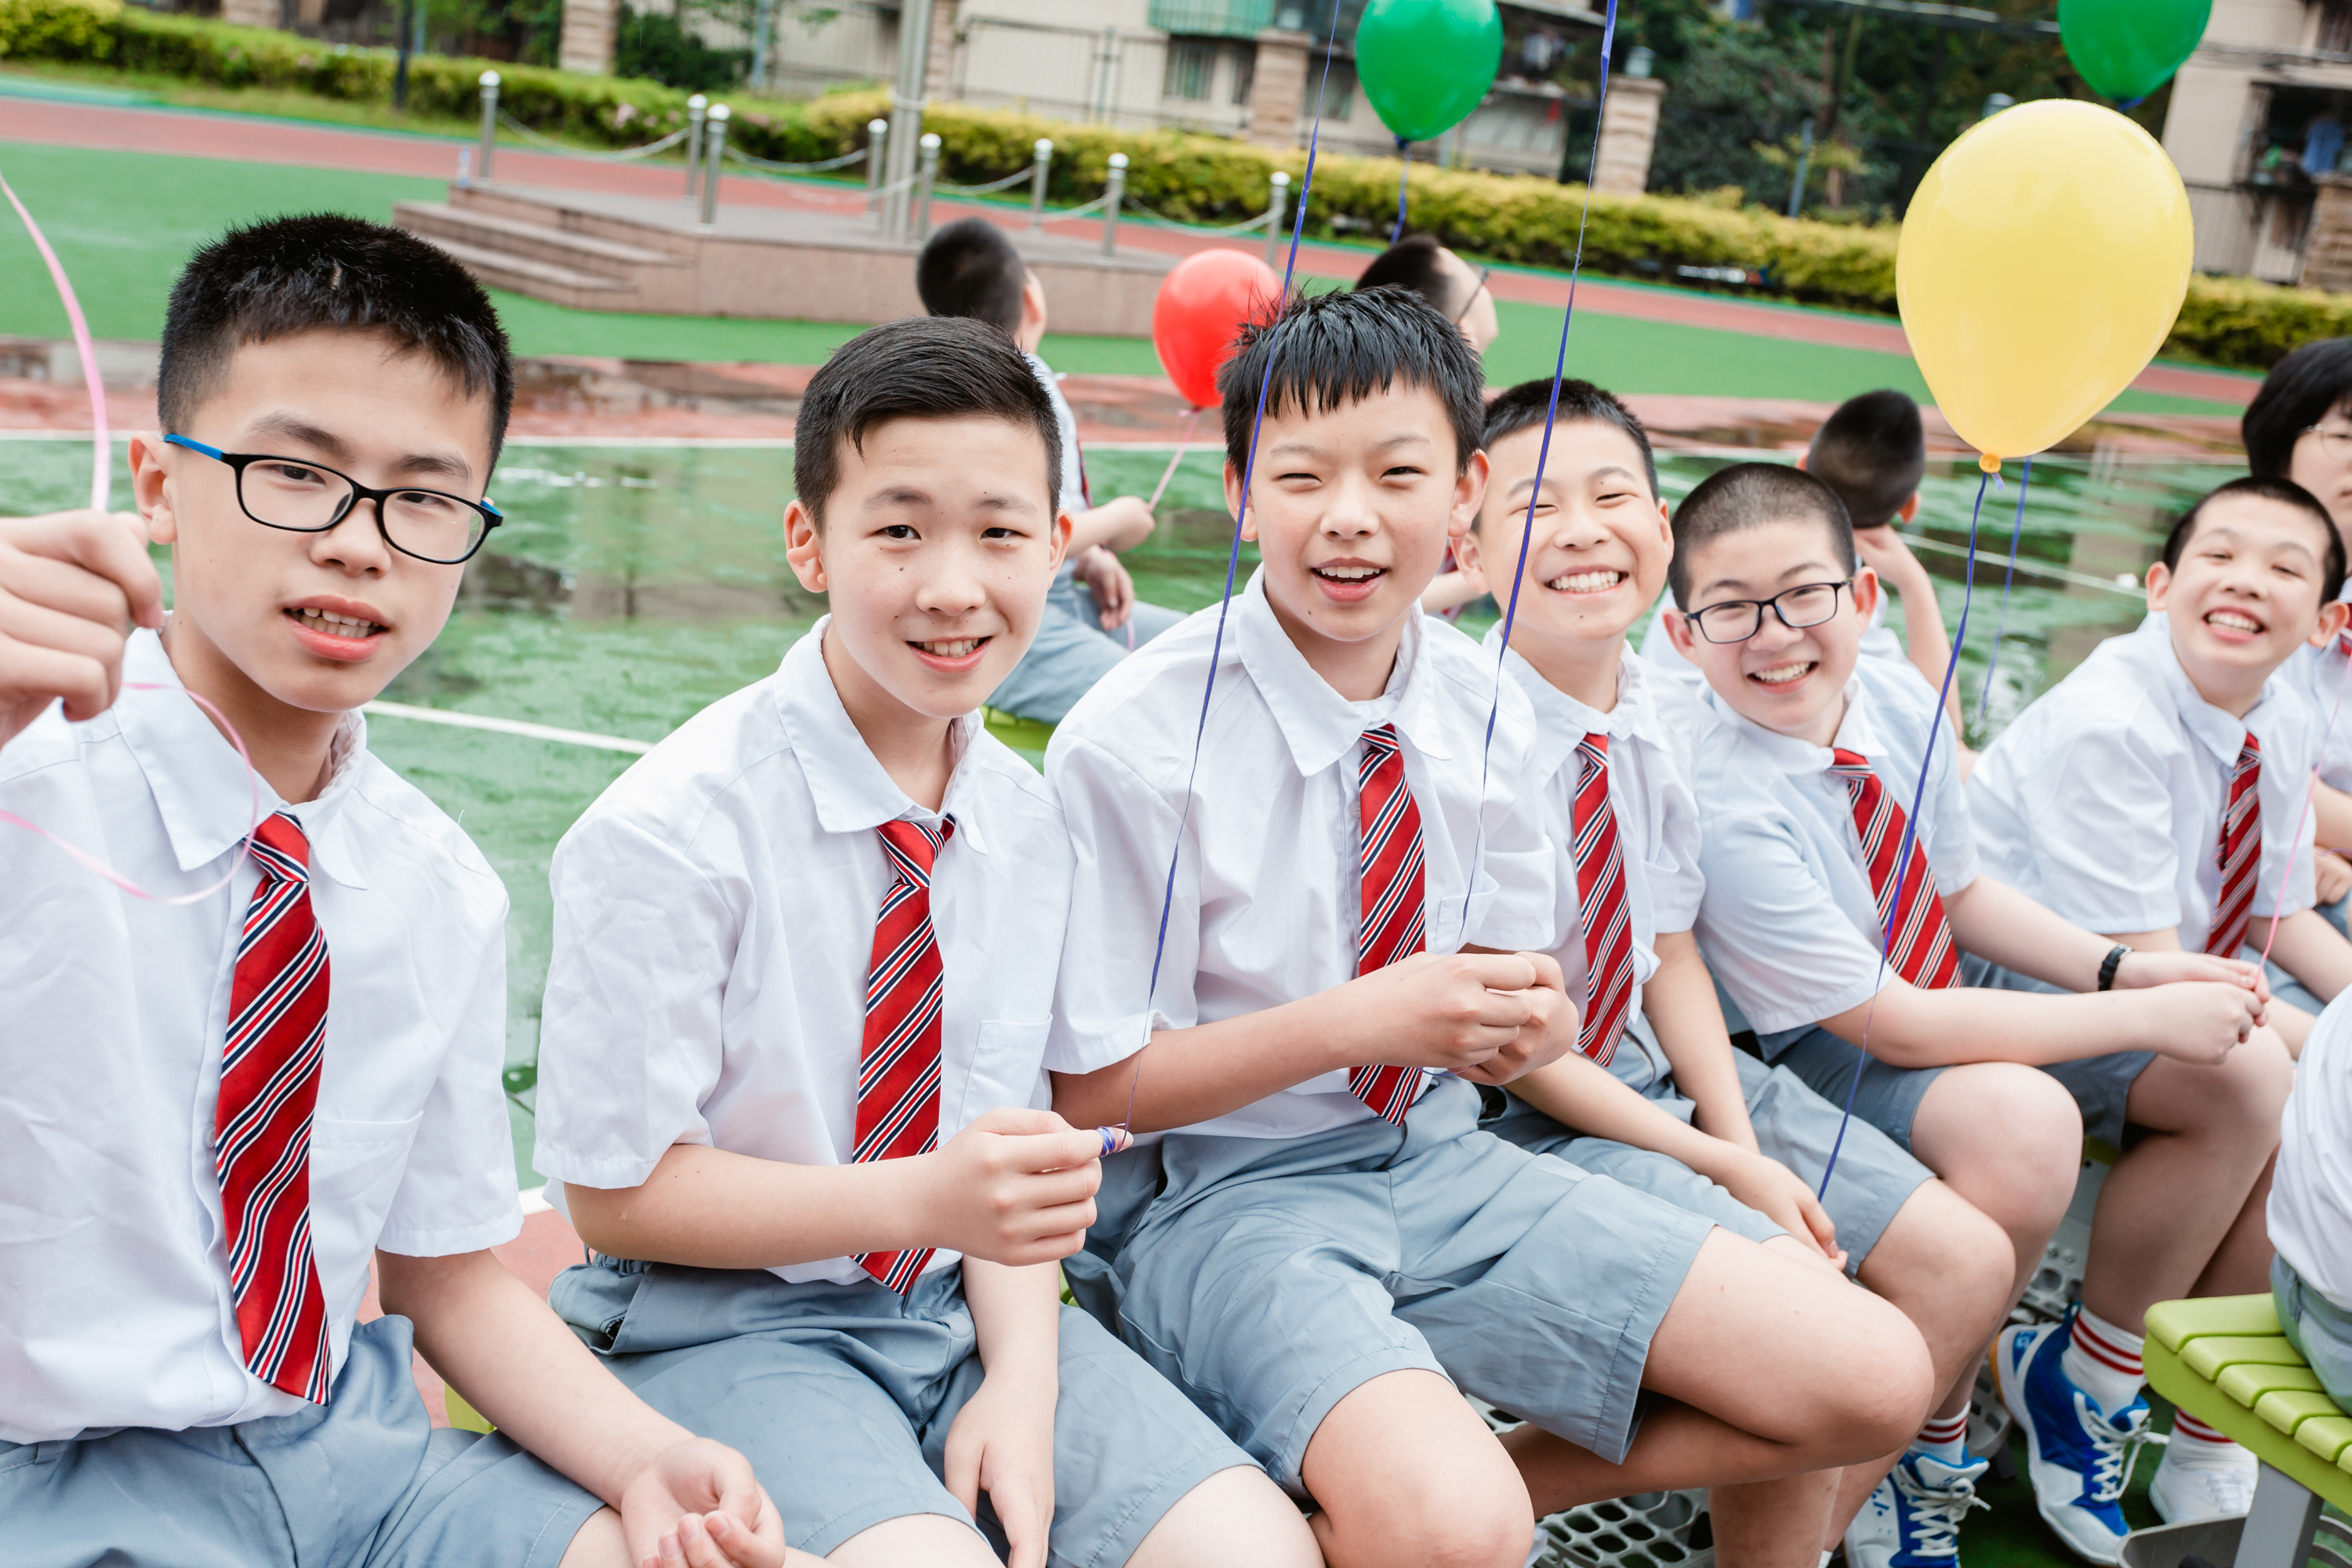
column 1851, row 767
column 282, row 848
column 1591, row 756
column 913, row 846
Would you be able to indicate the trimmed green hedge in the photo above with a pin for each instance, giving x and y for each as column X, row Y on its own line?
column 2227, row 321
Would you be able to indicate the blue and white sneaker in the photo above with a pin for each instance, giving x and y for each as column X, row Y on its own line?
column 2078, row 1456
column 1912, row 1519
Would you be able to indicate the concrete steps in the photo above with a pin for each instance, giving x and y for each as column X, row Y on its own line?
column 537, row 259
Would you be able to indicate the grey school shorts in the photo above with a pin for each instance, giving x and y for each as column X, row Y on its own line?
column 1270, row 1278
column 842, row 1397
column 1874, row 1178
column 2316, row 1327
column 363, row 1482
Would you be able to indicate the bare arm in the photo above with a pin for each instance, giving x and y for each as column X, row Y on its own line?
column 1016, row 1186
column 1680, row 1004
column 2331, row 810
column 1485, row 1015
column 497, row 1343
column 1001, row 1442
column 1120, row 524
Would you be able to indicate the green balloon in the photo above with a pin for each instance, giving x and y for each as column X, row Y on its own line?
column 2128, row 48
column 1425, row 64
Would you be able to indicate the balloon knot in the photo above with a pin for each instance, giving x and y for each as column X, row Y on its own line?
column 1989, row 463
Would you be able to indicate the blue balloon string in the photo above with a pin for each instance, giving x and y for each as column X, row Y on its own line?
column 2000, row 627
column 1232, row 556
column 1535, row 495
column 1911, row 830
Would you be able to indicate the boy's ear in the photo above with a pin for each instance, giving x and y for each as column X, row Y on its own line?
column 1469, row 547
column 2332, row 617
column 1679, row 633
column 1060, row 538
column 804, row 545
column 1865, row 592
column 151, row 487
column 1909, row 508
column 1469, row 495
column 1238, row 504
column 2159, row 582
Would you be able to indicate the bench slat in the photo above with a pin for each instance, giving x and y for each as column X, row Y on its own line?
column 2172, row 1323
column 2207, row 1354
column 2248, row 1382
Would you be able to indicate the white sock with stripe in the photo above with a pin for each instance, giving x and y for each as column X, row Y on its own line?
column 1944, row 1438
column 2194, row 1442
column 2103, row 1362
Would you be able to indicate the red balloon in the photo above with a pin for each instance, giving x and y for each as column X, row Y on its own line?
column 1202, row 304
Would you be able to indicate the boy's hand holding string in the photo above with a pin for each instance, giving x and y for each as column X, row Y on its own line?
column 72, row 585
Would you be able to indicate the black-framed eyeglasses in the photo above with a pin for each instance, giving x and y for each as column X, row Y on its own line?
column 1477, row 288
column 1736, row 620
column 2336, row 440
column 303, row 497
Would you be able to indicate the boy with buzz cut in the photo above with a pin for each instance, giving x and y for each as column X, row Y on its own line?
column 1837, row 922
column 217, row 1107
column 1092, row 619
column 2157, row 795
column 793, row 1065
column 1656, row 1096
column 1321, row 1248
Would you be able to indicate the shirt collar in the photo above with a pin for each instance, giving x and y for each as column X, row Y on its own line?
column 1562, row 721
column 204, row 792
column 1317, row 723
column 850, row 789
column 1857, row 732
column 2219, row 731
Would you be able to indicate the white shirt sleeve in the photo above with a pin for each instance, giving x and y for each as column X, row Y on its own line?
column 1523, row 913
column 1121, row 830
column 631, row 1041
column 1779, row 942
column 2097, row 815
column 1954, row 860
column 457, row 1193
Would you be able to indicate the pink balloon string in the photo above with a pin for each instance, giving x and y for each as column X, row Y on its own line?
column 102, row 486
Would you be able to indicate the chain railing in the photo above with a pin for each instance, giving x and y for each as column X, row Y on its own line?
column 622, row 155
column 820, row 166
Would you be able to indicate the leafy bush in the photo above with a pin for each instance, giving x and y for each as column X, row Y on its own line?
column 1517, row 219
column 652, row 44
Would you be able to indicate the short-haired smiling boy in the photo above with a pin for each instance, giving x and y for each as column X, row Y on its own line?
column 796, row 1026
column 1806, row 776
column 191, row 1201
column 1684, row 1116
column 1331, row 1245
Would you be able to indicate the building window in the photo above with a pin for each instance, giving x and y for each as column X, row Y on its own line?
column 1245, row 73
column 2336, row 27
column 1191, row 66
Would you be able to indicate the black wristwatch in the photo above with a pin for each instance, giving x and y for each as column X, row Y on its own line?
column 2115, row 956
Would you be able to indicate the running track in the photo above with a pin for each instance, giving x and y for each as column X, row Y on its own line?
column 255, row 139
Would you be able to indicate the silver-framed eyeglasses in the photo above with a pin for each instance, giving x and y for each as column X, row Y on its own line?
column 2336, row 440
column 1736, row 620
column 303, row 497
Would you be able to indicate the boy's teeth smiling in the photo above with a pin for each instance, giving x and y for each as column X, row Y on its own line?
column 953, row 647
column 1349, row 573
column 2236, row 620
column 1591, row 582
column 1781, row 674
column 333, row 625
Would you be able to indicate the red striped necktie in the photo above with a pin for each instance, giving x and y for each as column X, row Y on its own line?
column 1919, row 940
column 898, row 1060
column 261, row 1124
column 1389, row 868
column 2238, row 851
column 1602, row 906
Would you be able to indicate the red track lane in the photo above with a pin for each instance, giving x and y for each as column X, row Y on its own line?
column 260, row 141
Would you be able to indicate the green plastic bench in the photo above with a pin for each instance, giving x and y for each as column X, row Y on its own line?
column 2224, row 1361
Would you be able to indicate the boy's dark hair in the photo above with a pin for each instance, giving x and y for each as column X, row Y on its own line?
column 323, row 270
column 1525, row 404
column 2302, row 389
column 1417, row 262
column 925, row 367
column 970, row 268
column 1340, row 348
column 2266, row 487
column 1873, row 452
column 1749, row 495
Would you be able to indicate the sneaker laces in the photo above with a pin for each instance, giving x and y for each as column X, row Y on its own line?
column 1937, row 1513
column 2116, row 1447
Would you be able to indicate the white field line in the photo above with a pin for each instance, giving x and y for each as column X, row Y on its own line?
column 507, row 727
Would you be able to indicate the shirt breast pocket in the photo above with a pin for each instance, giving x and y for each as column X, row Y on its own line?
column 1007, row 1068
column 1449, row 926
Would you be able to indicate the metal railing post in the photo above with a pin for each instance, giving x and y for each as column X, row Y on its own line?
column 1110, row 205
column 714, row 145
column 1277, row 199
column 696, row 107
column 490, row 123
column 924, row 178
column 1044, row 155
column 877, row 142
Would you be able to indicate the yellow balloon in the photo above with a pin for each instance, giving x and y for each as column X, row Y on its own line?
column 2041, row 266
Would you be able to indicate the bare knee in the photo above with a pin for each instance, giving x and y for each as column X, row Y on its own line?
column 2005, row 1137
column 1885, row 1387
column 1235, row 1519
column 2249, row 1094
column 1493, row 1527
column 1946, row 1261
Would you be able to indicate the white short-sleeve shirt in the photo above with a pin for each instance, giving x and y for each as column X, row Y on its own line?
column 1790, row 923
column 2310, row 1208
column 2323, row 678
column 115, row 1308
column 714, row 930
column 1264, row 906
column 2103, row 800
column 1650, row 767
